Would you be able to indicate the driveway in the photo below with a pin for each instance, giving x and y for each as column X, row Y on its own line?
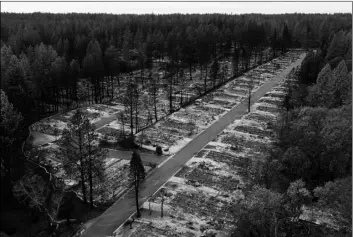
column 147, row 158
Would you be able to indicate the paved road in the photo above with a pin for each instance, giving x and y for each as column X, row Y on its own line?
column 116, row 215
column 105, row 120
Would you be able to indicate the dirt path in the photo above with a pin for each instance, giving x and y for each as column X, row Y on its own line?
column 116, row 215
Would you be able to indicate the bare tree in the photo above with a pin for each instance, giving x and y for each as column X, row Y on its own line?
column 136, row 105
column 151, row 199
column 251, row 86
column 224, row 76
column 129, row 101
column 153, row 86
column 182, row 85
column 95, row 157
column 149, row 207
column 121, row 117
column 215, row 68
column 261, row 55
column 170, row 82
column 72, row 152
column 142, row 136
column 56, row 132
column 162, row 201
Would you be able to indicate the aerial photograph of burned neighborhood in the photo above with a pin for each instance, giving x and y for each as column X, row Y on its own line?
column 176, row 119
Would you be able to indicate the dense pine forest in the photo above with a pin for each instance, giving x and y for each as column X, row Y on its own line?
column 52, row 63
column 45, row 55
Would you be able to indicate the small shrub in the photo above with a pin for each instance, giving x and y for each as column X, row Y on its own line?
column 203, row 228
column 159, row 150
column 103, row 142
column 128, row 143
column 269, row 125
